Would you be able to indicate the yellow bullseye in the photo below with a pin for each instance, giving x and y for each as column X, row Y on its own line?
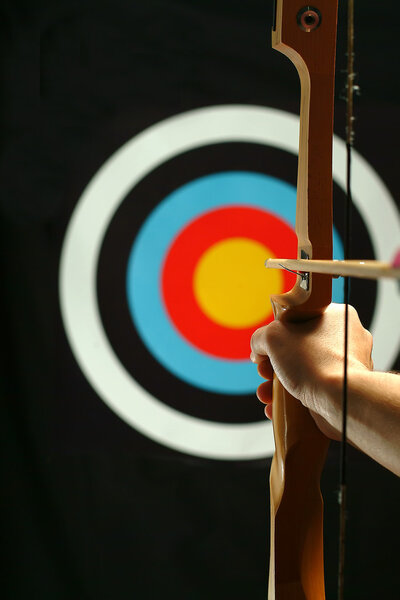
column 231, row 284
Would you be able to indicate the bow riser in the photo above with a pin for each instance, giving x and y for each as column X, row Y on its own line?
column 296, row 557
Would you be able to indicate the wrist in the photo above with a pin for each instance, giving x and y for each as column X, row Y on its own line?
column 333, row 392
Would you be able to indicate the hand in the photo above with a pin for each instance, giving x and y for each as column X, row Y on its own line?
column 308, row 360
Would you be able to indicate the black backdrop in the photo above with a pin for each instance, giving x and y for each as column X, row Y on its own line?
column 91, row 508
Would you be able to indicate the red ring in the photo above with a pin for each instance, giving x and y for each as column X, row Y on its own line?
column 181, row 260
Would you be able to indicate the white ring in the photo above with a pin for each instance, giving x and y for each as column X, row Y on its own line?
column 88, row 225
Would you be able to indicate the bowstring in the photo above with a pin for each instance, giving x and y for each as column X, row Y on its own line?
column 347, row 252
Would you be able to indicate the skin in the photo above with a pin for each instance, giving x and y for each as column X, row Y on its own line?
column 308, row 360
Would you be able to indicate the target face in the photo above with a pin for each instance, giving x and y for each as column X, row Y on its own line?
column 162, row 285
column 196, row 281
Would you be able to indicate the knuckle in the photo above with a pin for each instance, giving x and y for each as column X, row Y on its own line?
column 272, row 332
column 264, row 337
column 256, row 339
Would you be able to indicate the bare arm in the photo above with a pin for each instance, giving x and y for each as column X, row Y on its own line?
column 308, row 360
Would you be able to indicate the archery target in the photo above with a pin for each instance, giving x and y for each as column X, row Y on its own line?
column 176, row 243
column 177, row 266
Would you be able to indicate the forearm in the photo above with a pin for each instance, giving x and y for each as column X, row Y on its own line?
column 373, row 423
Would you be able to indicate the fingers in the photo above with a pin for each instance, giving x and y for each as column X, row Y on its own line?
column 258, row 346
column 267, row 340
column 259, row 357
column 264, row 394
column 268, row 411
column 259, row 352
column 265, row 368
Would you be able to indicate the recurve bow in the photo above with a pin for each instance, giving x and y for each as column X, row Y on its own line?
column 306, row 34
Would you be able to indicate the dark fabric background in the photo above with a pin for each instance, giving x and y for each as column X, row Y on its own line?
column 90, row 508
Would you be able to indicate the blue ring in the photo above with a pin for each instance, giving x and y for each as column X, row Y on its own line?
column 175, row 353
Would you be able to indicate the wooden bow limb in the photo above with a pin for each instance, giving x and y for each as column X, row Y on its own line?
column 307, row 35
